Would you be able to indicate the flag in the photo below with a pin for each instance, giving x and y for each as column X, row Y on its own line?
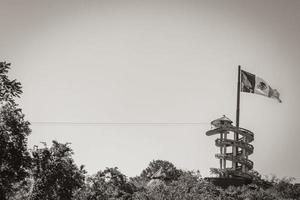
column 253, row 84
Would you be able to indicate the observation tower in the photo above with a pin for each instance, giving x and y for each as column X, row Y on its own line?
column 234, row 151
column 234, row 141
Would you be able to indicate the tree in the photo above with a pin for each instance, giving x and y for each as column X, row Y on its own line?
column 14, row 129
column 107, row 184
column 168, row 169
column 55, row 175
column 189, row 185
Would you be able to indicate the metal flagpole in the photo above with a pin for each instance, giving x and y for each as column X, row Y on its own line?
column 236, row 135
column 238, row 98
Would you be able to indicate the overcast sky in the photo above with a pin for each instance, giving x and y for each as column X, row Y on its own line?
column 160, row 62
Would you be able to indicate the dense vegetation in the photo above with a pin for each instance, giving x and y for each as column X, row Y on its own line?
column 49, row 173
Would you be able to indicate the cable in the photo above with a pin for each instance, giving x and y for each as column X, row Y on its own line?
column 66, row 123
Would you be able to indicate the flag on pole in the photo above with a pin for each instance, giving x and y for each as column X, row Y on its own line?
column 253, row 84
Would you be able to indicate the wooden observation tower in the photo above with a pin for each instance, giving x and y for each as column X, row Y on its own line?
column 234, row 147
column 234, row 153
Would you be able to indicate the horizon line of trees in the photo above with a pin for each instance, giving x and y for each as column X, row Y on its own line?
column 50, row 173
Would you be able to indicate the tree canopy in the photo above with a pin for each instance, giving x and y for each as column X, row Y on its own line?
column 167, row 168
column 55, row 175
column 14, row 129
column 107, row 184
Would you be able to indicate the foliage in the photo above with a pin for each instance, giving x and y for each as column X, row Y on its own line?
column 55, row 175
column 192, row 187
column 22, row 189
column 285, row 188
column 189, row 185
column 168, row 168
column 14, row 157
column 8, row 88
column 107, row 184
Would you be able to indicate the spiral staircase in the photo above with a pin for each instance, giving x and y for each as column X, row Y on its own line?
column 234, row 151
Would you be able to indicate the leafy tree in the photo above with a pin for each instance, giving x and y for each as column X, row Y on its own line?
column 14, row 157
column 22, row 189
column 259, row 181
column 170, row 171
column 55, row 175
column 285, row 188
column 189, row 185
column 107, row 184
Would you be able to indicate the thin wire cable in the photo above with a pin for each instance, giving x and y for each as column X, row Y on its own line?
column 53, row 123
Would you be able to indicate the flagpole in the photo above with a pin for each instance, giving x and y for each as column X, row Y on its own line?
column 238, row 98
column 236, row 135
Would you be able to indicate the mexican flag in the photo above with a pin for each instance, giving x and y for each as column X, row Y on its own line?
column 253, row 84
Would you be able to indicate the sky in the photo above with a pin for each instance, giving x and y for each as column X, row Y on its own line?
column 155, row 62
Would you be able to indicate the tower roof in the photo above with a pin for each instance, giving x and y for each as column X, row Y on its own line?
column 221, row 121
